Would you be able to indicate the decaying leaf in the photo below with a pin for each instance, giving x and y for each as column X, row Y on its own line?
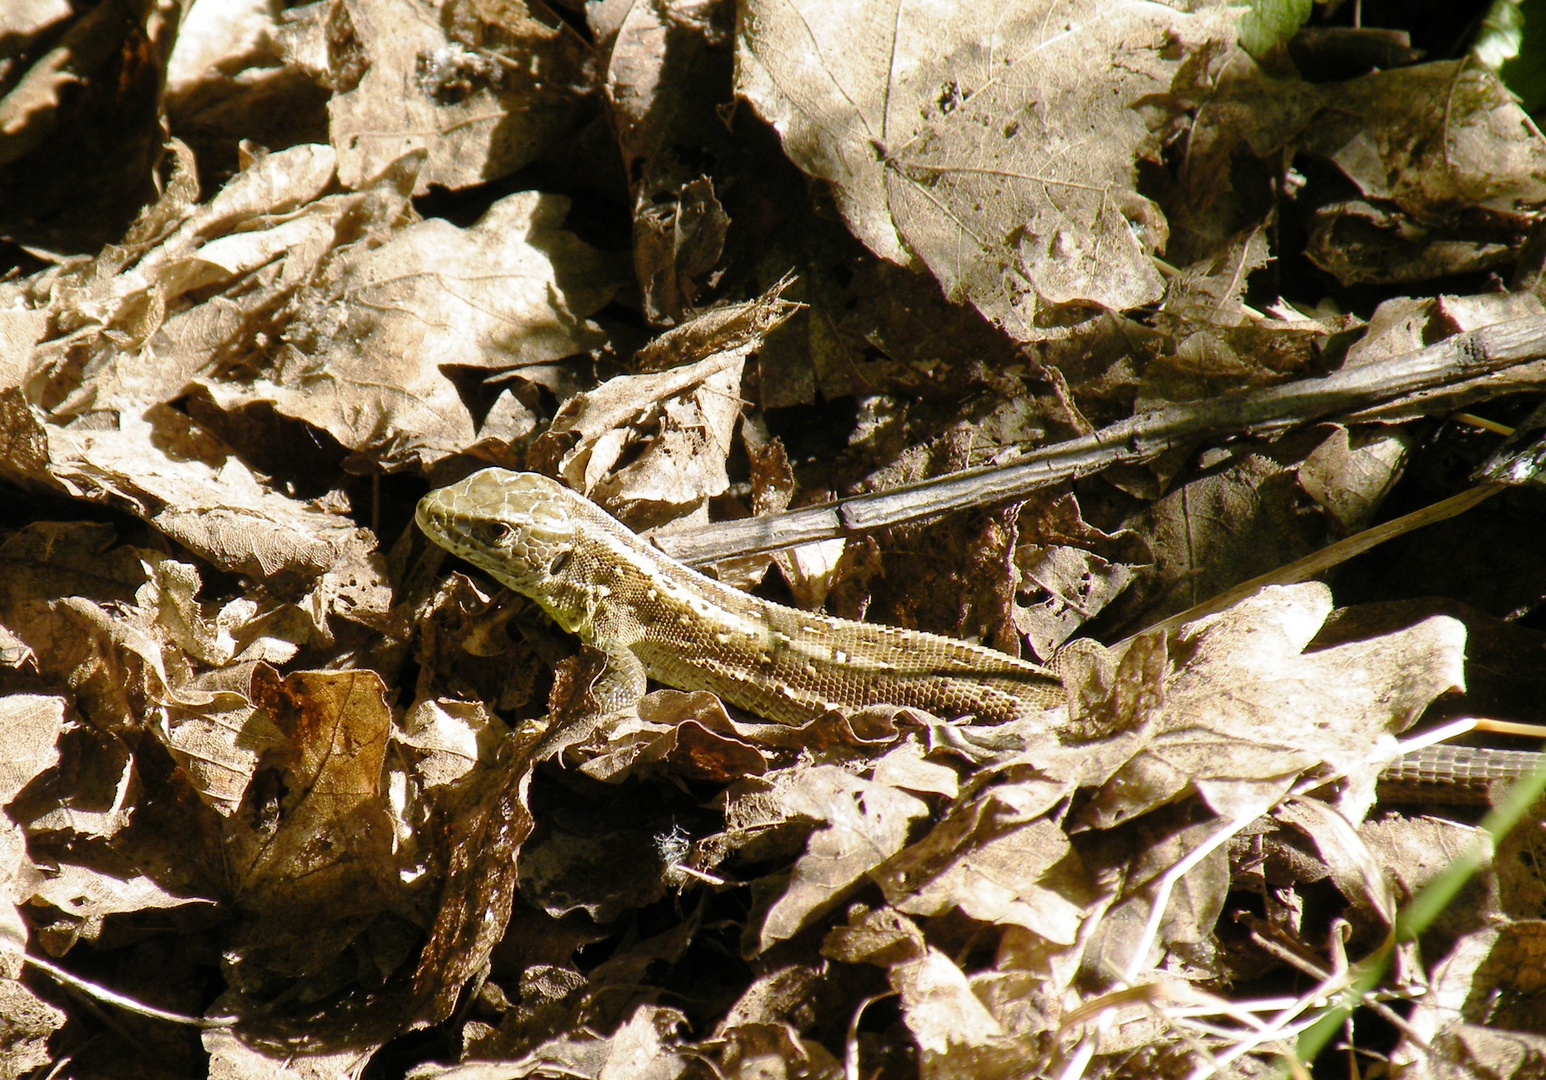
column 481, row 88
column 682, row 419
column 368, row 362
column 996, row 146
column 1425, row 146
column 270, row 760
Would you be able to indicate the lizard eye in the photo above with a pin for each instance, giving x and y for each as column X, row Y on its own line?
column 497, row 532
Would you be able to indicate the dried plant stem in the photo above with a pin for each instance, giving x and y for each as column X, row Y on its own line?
column 1333, row 554
column 1257, row 412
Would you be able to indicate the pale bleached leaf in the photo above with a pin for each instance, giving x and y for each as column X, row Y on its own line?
column 995, row 144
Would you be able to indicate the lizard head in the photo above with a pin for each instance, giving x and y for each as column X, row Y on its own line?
column 520, row 527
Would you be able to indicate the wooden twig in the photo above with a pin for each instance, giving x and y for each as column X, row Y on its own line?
column 1255, row 412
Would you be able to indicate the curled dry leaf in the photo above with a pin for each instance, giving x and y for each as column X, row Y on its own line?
column 79, row 130
column 1070, row 576
column 681, row 420
column 664, row 81
column 166, row 470
column 1426, row 145
column 993, row 858
column 1352, row 865
column 690, row 735
column 142, row 652
column 1288, row 711
column 369, row 359
column 86, row 895
column 376, row 310
column 861, row 824
column 116, row 331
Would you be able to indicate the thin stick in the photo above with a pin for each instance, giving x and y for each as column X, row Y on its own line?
column 1254, row 412
column 1320, row 561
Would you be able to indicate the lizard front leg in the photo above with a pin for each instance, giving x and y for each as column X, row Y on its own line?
column 622, row 681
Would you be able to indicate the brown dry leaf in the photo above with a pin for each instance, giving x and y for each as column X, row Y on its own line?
column 28, row 17
column 1352, row 866
column 122, row 333
column 369, row 358
column 476, row 829
column 165, row 469
column 665, row 66
column 28, row 108
column 447, row 739
column 29, row 729
column 1210, row 294
column 376, row 309
column 1487, row 968
column 996, row 145
column 1143, row 859
column 228, row 86
column 1240, row 514
column 26, row 1024
column 1213, row 360
column 1070, row 576
column 84, row 896
column 480, row 86
column 1426, row 146
column 682, row 420
column 30, row 725
column 322, row 860
column 79, row 130
column 690, row 735
column 994, row 858
column 943, row 1013
column 775, row 1048
column 1214, row 343
column 232, row 1059
column 906, row 766
column 1287, row 711
column 862, row 823
column 82, row 615
column 940, row 1008
column 1350, row 473
column 645, row 1046
column 140, row 649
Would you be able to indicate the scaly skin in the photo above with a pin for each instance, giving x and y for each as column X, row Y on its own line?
column 655, row 618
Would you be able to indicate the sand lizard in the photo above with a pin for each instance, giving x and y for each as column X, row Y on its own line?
column 656, row 618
